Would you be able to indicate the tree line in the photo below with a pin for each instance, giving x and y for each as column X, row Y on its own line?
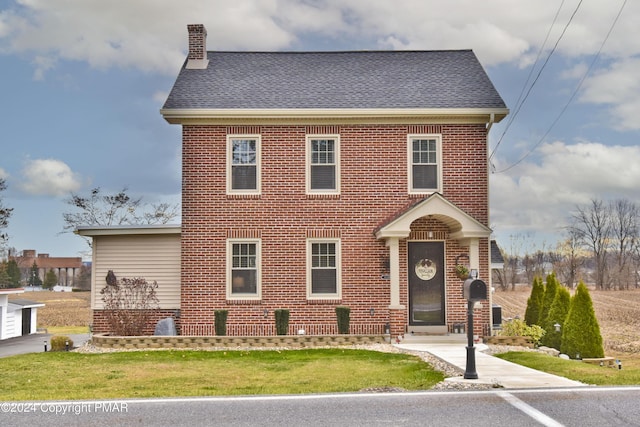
column 601, row 246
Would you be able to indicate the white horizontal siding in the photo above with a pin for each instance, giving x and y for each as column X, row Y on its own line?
column 154, row 257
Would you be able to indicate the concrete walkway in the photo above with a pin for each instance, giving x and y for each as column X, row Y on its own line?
column 490, row 369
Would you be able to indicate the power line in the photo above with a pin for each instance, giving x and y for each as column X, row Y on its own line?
column 575, row 92
column 524, row 86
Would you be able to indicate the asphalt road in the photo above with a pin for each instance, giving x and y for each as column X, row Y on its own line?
column 585, row 407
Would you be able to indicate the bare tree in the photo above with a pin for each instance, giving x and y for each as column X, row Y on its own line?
column 624, row 236
column 512, row 261
column 592, row 224
column 5, row 214
column 115, row 209
column 570, row 258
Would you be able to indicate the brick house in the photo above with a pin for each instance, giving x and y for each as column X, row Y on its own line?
column 318, row 179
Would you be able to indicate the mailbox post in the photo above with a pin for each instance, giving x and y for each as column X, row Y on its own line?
column 474, row 290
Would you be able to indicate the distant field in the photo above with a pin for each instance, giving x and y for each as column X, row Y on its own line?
column 62, row 309
column 618, row 313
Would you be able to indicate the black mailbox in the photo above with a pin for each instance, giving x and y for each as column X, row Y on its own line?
column 474, row 290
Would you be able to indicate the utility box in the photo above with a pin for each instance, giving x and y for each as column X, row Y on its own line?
column 474, row 290
column 496, row 314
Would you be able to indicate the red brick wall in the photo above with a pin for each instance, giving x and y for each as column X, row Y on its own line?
column 101, row 322
column 373, row 187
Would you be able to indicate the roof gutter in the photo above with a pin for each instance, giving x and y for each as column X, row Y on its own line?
column 179, row 115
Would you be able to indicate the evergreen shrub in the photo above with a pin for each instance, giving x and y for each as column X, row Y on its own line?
column 59, row 343
column 343, row 314
column 282, row 321
column 581, row 332
column 220, row 317
column 534, row 303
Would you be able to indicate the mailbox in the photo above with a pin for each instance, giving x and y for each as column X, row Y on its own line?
column 474, row 290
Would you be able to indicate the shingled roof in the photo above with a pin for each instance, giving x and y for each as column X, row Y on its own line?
column 447, row 79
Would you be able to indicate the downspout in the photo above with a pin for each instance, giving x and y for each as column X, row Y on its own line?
column 490, row 278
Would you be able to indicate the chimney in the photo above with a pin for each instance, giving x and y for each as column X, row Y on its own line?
column 197, row 59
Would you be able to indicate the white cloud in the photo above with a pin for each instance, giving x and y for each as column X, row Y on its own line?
column 541, row 197
column 3, row 174
column 49, row 177
column 619, row 87
column 150, row 35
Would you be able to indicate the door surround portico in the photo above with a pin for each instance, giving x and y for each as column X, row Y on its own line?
column 462, row 227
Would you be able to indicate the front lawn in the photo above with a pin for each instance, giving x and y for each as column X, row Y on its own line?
column 578, row 370
column 73, row 376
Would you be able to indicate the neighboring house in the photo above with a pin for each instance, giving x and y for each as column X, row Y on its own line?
column 17, row 316
column 318, row 179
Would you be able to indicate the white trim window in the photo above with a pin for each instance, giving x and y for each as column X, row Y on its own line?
column 243, row 269
column 324, row 269
column 323, row 164
column 425, row 163
column 243, row 164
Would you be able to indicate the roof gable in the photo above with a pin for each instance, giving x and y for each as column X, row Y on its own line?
column 461, row 225
column 452, row 79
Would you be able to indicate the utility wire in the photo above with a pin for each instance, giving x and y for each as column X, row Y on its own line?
column 575, row 92
column 524, row 86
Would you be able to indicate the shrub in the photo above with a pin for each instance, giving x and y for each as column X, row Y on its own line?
column 342, row 313
column 557, row 314
column 519, row 328
column 550, row 289
column 282, row 321
column 128, row 304
column 59, row 343
column 221, row 321
column 581, row 332
column 534, row 303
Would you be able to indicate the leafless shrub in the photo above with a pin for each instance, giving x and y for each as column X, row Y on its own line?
column 128, row 304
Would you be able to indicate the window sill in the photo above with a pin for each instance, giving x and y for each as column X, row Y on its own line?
column 244, row 301
column 312, row 196
column 244, row 195
column 324, row 301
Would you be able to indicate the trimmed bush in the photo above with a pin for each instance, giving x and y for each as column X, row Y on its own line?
column 581, row 332
column 221, row 321
column 518, row 328
column 282, row 321
column 557, row 314
column 59, row 343
column 534, row 303
column 550, row 289
column 343, row 313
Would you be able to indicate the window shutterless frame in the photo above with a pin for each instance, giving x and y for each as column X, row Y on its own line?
column 244, row 272
column 424, row 160
column 323, row 164
column 324, row 265
column 243, row 164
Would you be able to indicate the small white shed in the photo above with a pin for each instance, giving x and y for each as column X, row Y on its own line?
column 17, row 317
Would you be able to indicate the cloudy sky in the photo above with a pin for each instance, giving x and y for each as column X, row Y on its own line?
column 83, row 81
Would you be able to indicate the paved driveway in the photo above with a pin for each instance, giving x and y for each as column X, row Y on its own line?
column 34, row 343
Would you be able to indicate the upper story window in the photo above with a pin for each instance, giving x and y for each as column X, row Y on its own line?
column 323, row 164
column 243, row 164
column 243, row 269
column 425, row 163
column 323, row 269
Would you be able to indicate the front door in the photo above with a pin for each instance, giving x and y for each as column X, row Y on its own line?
column 426, row 283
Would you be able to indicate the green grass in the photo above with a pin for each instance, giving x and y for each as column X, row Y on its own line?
column 577, row 370
column 48, row 376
